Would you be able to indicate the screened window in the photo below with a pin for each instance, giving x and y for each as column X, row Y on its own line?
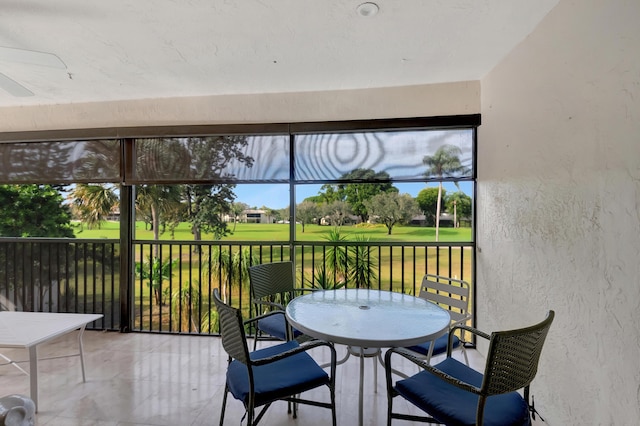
column 60, row 162
column 235, row 158
column 392, row 155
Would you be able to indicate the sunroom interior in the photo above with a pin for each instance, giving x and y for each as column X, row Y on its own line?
column 558, row 161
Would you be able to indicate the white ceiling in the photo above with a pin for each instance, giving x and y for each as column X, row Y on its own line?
column 139, row 49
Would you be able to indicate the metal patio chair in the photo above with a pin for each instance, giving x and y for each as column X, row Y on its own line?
column 272, row 287
column 452, row 393
column 453, row 295
column 280, row 372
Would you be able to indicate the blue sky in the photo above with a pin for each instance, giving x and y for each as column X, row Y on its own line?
column 276, row 196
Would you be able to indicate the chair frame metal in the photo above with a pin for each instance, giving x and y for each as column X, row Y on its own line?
column 272, row 287
column 451, row 294
column 232, row 331
column 512, row 364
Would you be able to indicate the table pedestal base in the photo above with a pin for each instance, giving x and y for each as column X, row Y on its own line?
column 363, row 353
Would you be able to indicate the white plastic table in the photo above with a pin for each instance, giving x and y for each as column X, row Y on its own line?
column 29, row 329
column 367, row 319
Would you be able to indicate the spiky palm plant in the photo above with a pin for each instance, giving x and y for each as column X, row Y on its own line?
column 156, row 271
column 337, row 257
column 184, row 303
column 362, row 265
column 230, row 268
column 320, row 279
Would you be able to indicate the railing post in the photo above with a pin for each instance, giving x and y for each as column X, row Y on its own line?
column 126, row 256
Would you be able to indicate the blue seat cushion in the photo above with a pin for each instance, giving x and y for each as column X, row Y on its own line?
column 288, row 376
column 454, row 406
column 439, row 345
column 276, row 326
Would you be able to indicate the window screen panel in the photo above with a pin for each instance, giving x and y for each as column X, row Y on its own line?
column 395, row 155
column 234, row 158
column 60, row 162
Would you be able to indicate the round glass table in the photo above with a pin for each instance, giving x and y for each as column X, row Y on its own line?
column 365, row 319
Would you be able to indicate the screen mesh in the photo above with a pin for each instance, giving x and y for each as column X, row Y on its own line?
column 60, row 162
column 236, row 158
column 395, row 155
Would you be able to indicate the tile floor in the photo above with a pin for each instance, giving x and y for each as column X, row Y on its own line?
column 140, row 379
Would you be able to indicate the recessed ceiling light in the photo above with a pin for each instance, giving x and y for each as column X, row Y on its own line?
column 367, row 9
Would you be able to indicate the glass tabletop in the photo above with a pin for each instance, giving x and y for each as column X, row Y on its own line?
column 368, row 318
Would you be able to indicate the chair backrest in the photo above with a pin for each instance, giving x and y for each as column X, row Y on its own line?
column 449, row 293
column 271, row 278
column 232, row 332
column 512, row 359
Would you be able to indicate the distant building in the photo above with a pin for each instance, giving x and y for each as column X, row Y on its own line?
column 251, row 216
column 347, row 220
column 419, row 219
column 114, row 215
column 446, row 220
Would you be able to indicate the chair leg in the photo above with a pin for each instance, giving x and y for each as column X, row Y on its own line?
column 333, row 405
column 480, row 412
column 255, row 340
column 375, row 374
column 224, row 404
column 464, row 352
column 389, row 383
column 249, row 416
column 295, row 408
column 260, row 414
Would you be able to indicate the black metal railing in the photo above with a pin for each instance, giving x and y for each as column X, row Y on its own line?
column 172, row 281
column 61, row 275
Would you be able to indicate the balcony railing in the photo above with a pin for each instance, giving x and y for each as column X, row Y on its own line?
column 61, row 275
column 172, row 281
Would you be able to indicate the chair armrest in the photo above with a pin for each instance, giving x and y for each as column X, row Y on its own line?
column 470, row 330
column 259, row 317
column 409, row 355
column 461, row 321
column 301, row 348
column 269, row 303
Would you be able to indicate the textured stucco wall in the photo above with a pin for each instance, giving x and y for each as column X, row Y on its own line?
column 559, row 206
column 392, row 102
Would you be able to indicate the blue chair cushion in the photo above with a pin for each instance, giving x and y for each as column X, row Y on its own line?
column 276, row 326
column 454, row 406
column 288, row 376
column 439, row 346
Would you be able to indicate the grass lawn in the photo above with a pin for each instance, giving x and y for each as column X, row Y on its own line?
column 280, row 232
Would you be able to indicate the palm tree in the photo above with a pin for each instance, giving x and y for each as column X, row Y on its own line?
column 460, row 203
column 337, row 257
column 345, row 265
column 322, row 279
column 209, row 322
column 236, row 210
column 362, row 267
column 230, row 268
column 93, row 203
column 444, row 162
column 184, row 304
column 156, row 200
column 156, row 271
